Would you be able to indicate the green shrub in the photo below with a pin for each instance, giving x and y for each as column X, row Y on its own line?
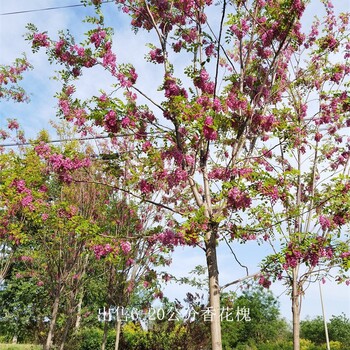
column 283, row 345
column 90, row 339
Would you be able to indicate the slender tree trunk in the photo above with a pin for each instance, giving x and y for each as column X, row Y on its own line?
column 296, row 311
column 78, row 320
column 214, row 289
column 54, row 314
column 105, row 333
column 117, row 332
column 70, row 315
column 65, row 333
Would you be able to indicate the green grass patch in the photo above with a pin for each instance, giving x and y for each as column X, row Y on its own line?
column 20, row 347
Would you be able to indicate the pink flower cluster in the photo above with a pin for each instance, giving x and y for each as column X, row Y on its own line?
column 208, row 129
column 298, row 6
column 210, row 50
column 63, row 165
column 27, row 200
column 235, row 103
column 293, row 258
column 73, row 55
column 172, row 89
column 324, row 222
column 60, row 162
column 127, row 79
column 345, row 255
column 177, row 177
column 156, row 56
column 169, row 238
column 109, row 59
column 264, row 281
column 190, row 35
column 224, row 174
column 111, row 123
column 68, row 212
column 97, row 37
column 237, row 199
column 263, row 123
column 317, row 251
column 241, row 29
column 125, row 246
column 12, row 74
column 101, row 251
column 311, row 38
column 13, row 124
column 20, row 186
column 42, row 149
column 247, row 237
column 146, row 187
column 329, row 43
column 26, row 258
column 40, row 39
column 270, row 191
column 311, row 254
column 203, row 82
column 220, row 173
column 338, row 219
column 175, row 154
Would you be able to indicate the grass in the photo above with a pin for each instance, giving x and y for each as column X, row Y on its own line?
column 19, row 347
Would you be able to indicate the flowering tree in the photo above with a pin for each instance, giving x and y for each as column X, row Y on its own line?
column 307, row 185
column 10, row 75
column 127, row 250
column 18, row 174
column 51, row 232
column 9, row 78
column 203, row 150
column 56, row 223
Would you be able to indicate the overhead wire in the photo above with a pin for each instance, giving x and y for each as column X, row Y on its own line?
column 48, row 9
column 18, row 144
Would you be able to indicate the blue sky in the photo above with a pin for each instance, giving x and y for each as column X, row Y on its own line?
column 35, row 116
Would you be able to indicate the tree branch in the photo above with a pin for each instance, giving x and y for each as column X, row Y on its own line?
column 239, row 280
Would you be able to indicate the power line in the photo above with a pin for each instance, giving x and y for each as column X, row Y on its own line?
column 47, row 9
column 18, row 144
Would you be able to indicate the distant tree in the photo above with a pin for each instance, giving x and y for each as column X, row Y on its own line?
column 23, row 307
column 262, row 324
column 313, row 329
column 338, row 329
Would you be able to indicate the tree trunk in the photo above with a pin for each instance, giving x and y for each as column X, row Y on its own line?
column 296, row 310
column 78, row 320
column 117, row 332
column 70, row 315
column 65, row 333
column 105, row 333
column 214, row 289
column 54, row 314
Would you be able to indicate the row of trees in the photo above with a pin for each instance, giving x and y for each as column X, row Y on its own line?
column 69, row 245
column 260, row 328
column 248, row 142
